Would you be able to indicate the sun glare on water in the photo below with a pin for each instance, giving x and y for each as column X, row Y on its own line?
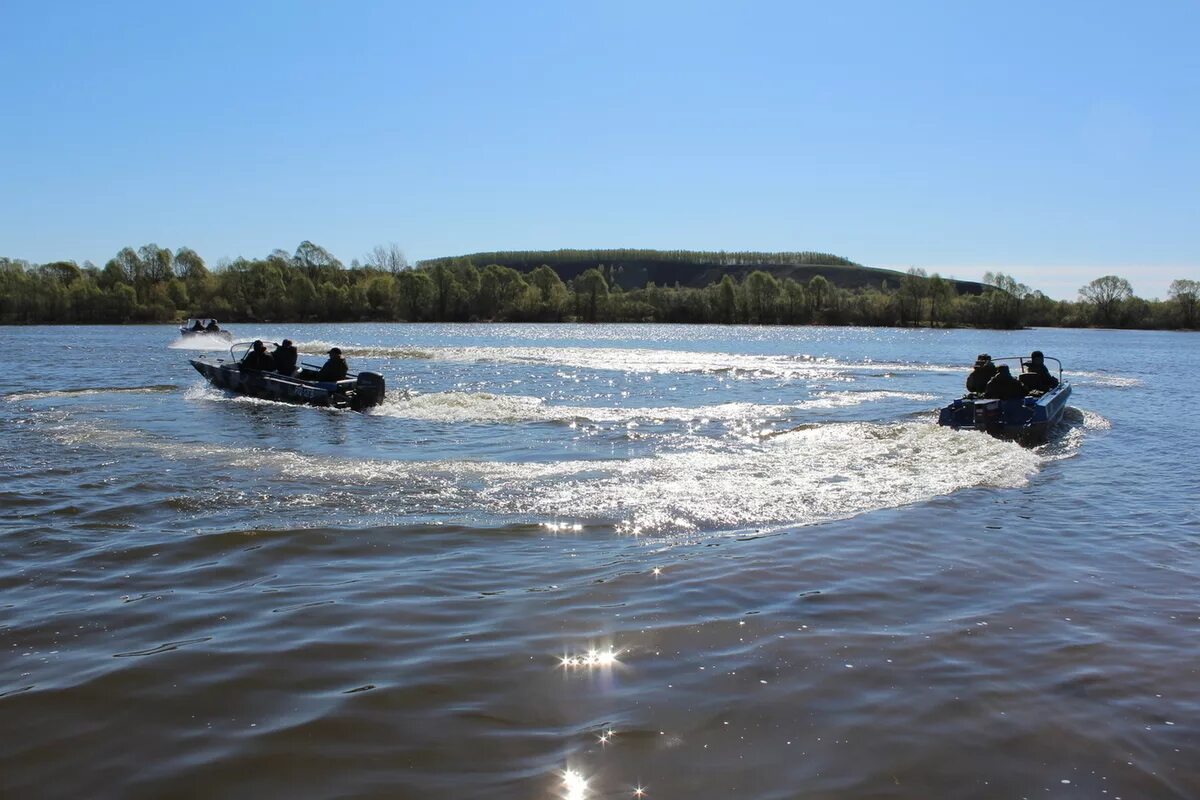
column 574, row 785
column 591, row 659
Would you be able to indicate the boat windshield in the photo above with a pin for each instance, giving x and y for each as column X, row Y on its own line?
column 239, row 350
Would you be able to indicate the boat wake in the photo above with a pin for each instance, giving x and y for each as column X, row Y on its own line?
column 91, row 390
column 809, row 475
column 201, row 342
column 500, row 408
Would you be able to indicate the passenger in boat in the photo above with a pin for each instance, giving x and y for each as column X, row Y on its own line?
column 1004, row 386
column 284, row 356
column 983, row 372
column 1036, row 375
column 258, row 359
column 335, row 369
column 212, row 326
column 197, row 326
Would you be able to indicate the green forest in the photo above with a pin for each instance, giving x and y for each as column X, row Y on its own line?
column 156, row 284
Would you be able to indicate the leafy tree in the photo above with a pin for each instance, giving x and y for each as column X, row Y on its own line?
column 727, row 300
column 418, row 291
column 818, row 290
column 591, row 288
column 1106, row 294
column 1186, row 294
column 761, row 291
column 189, row 265
column 941, row 294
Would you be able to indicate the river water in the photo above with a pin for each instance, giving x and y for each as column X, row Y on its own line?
column 598, row 562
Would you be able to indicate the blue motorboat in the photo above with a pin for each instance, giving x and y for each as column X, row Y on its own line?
column 363, row 391
column 1029, row 420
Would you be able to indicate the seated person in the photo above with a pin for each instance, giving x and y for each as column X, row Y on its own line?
column 1036, row 375
column 335, row 369
column 197, row 326
column 212, row 326
column 983, row 372
column 1004, row 386
column 284, row 356
column 258, row 359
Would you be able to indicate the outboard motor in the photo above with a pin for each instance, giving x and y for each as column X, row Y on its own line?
column 987, row 415
column 369, row 391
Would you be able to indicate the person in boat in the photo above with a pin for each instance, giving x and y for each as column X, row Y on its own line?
column 1036, row 375
column 212, row 327
column 335, row 369
column 258, row 359
column 983, row 372
column 197, row 326
column 284, row 356
column 1003, row 386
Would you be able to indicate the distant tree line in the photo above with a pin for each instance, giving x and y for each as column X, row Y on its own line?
column 155, row 284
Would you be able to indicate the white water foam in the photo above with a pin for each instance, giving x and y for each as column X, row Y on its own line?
column 484, row 407
column 800, row 477
column 201, row 342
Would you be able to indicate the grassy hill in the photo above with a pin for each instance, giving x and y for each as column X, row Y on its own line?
column 633, row 269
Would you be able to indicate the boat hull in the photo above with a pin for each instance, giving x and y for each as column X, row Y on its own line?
column 1028, row 420
column 358, row 393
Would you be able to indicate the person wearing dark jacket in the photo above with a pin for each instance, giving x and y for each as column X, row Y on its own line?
column 258, row 359
column 335, row 368
column 1004, row 386
column 284, row 357
column 1036, row 376
column 983, row 372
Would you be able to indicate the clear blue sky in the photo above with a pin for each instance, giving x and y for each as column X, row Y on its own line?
column 1056, row 142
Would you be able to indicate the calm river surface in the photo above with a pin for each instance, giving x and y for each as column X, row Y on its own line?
column 592, row 561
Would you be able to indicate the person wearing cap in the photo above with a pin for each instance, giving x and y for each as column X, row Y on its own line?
column 285, row 357
column 983, row 372
column 335, row 368
column 258, row 359
column 1004, row 386
column 1036, row 375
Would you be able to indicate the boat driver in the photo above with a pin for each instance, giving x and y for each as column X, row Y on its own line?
column 983, row 372
column 1036, row 375
column 258, row 359
column 334, row 369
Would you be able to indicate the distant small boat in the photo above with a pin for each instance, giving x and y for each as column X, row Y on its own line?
column 1029, row 420
column 193, row 328
column 358, row 393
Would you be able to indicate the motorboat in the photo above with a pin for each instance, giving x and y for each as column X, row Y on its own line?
column 360, row 392
column 1029, row 419
column 203, row 327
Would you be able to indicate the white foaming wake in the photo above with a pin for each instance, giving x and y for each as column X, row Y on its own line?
column 800, row 477
column 484, row 407
column 201, row 342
